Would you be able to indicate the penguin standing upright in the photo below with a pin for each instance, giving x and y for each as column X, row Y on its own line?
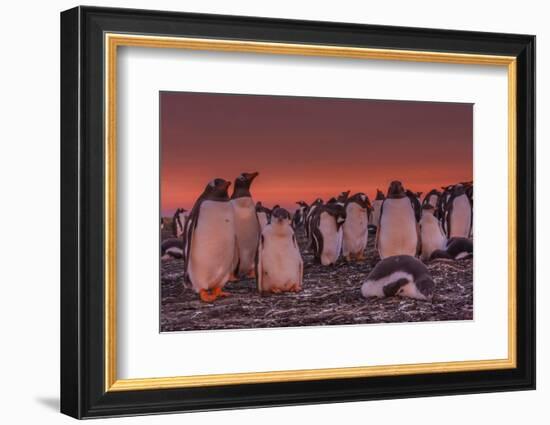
column 376, row 206
column 178, row 222
column 432, row 198
column 209, row 242
column 279, row 265
column 398, row 232
column 458, row 213
column 247, row 227
column 431, row 233
column 355, row 228
column 400, row 275
column 326, row 232
column 300, row 214
column 318, row 202
column 263, row 214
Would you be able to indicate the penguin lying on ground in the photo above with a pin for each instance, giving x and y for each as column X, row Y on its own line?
column 355, row 227
column 398, row 232
column 247, row 227
column 431, row 234
column 279, row 264
column 400, row 275
column 456, row 249
column 326, row 232
column 209, row 242
column 263, row 214
column 171, row 248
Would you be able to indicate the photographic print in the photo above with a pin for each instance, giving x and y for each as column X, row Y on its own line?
column 286, row 211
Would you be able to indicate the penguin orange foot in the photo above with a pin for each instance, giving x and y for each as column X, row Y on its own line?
column 206, row 296
column 218, row 292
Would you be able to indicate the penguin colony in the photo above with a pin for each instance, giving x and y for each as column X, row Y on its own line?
column 225, row 238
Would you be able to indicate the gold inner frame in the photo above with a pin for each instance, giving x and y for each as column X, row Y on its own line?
column 113, row 41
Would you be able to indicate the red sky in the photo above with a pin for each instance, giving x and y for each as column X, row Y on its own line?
column 305, row 147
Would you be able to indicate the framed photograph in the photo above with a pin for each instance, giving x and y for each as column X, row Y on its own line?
column 261, row 212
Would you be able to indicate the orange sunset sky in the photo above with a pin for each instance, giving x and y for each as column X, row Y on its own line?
column 306, row 147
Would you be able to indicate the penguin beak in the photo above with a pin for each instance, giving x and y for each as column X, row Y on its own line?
column 252, row 176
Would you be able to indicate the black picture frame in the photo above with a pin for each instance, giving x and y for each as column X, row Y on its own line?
column 83, row 392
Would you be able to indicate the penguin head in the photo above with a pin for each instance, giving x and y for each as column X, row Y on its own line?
column 280, row 216
column 396, row 189
column 242, row 185
column 343, row 197
column 216, row 189
column 459, row 190
column 379, row 195
column 426, row 286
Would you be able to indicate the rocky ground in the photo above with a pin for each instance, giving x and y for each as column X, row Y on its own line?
column 330, row 296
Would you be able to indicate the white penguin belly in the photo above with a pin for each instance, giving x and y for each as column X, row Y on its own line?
column 355, row 230
column 461, row 217
column 331, row 239
column 262, row 219
column 247, row 230
column 376, row 205
column 398, row 234
column 432, row 236
column 212, row 246
column 281, row 263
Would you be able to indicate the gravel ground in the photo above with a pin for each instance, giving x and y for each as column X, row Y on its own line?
column 330, row 296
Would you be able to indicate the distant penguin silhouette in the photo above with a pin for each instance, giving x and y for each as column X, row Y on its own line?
column 178, row 222
column 402, row 276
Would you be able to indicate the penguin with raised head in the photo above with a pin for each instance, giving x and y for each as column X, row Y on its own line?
column 456, row 249
column 247, row 227
column 431, row 234
column 263, row 214
column 401, row 276
column 398, row 232
column 355, row 228
column 209, row 242
column 458, row 213
column 343, row 197
column 171, row 249
column 279, row 264
column 178, row 222
column 374, row 219
column 326, row 232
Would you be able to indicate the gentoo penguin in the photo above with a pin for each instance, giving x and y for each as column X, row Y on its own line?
column 171, row 248
column 210, row 245
column 415, row 201
column 178, row 222
column 300, row 214
column 431, row 233
column 431, row 198
column 343, row 197
column 326, row 232
column 247, row 227
column 355, row 228
column 456, row 249
column 397, row 233
column 263, row 214
column 376, row 206
column 279, row 265
column 309, row 214
column 458, row 213
column 400, row 275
